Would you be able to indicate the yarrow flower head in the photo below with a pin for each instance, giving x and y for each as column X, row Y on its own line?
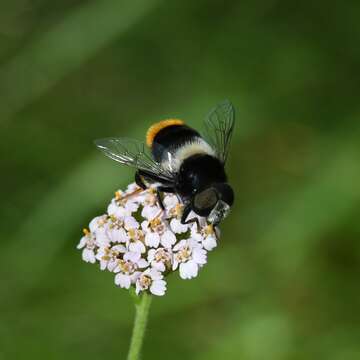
column 141, row 243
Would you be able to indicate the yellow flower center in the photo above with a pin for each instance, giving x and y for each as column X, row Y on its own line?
column 208, row 230
column 120, row 198
column 126, row 266
column 162, row 255
column 118, row 195
column 145, row 281
column 177, row 210
column 90, row 239
column 116, row 223
column 183, row 254
column 157, row 225
column 155, row 222
column 136, row 235
column 110, row 254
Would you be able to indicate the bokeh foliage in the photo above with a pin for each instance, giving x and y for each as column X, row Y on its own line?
column 283, row 284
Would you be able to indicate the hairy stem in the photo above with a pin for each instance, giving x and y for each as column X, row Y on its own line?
column 141, row 316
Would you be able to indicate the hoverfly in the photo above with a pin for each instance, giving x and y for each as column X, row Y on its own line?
column 177, row 159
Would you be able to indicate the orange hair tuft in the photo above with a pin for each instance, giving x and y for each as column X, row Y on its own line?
column 154, row 129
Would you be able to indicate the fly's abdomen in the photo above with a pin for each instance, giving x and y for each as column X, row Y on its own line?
column 167, row 135
column 171, row 141
column 155, row 129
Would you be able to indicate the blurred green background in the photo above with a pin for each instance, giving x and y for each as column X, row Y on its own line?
column 284, row 281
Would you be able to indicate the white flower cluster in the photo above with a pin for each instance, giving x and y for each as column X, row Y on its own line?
column 141, row 243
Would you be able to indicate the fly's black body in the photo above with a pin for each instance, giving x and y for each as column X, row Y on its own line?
column 183, row 162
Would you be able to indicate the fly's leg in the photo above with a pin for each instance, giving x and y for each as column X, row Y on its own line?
column 139, row 181
column 160, row 189
column 159, row 199
column 185, row 214
column 139, row 175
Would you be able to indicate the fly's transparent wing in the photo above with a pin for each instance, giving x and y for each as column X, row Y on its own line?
column 132, row 153
column 219, row 126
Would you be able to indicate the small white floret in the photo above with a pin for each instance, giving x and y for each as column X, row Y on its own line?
column 142, row 243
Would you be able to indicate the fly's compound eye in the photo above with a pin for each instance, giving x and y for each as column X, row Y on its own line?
column 204, row 201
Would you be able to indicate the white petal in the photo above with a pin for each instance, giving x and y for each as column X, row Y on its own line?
column 209, row 243
column 199, row 255
column 158, row 287
column 175, row 265
column 132, row 256
column 149, row 212
column 116, row 269
column 130, row 223
column 103, row 264
column 151, row 254
column 131, row 188
column 112, row 208
column 137, row 246
column 137, row 288
column 98, row 255
column 170, row 201
column 102, row 239
column 142, row 263
column 180, row 245
column 147, row 272
column 95, row 223
column 168, row 239
column 193, row 228
column 188, row 270
column 152, row 239
column 119, row 248
column 177, row 227
column 198, row 237
column 88, row 256
column 145, row 226
column 193, row 243
column 117, row 211
column 82, row 242
column 155, row 275
column 131, row 207
column 195, row 234
column 158, row 265
column 112, row 264
column 123, row 280
column 135, row 276
column 118, row 235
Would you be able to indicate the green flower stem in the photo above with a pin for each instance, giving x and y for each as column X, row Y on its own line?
column 141, row 316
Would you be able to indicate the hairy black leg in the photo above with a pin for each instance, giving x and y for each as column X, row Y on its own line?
column 167, row 189
column 185, row 214
column 139, row 181
column 165, row 186
column 159, row 199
